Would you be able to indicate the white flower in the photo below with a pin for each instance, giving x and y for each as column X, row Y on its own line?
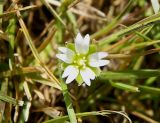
column 81, row 61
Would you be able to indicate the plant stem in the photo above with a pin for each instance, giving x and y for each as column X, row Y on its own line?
column 68, row 103
column 67, row 100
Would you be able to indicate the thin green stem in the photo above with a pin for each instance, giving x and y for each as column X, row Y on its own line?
column 68, row 103
column 67, row 100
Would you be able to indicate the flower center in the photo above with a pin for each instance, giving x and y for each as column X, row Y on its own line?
column 80, row 61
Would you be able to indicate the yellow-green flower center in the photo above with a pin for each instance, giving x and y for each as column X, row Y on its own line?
column 80, row 61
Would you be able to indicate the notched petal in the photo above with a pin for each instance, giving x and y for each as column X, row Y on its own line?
column 102, row 55
column 78, row 41
column 82, row 44
column 64, row 58
column 67, row 71
column 65, row 50
column 95, row 59
column 72, row 72
column 78, row 38
column 99, row 63
column 98, row 55
column 67, row 56
column 86, row 40
column 87, row 75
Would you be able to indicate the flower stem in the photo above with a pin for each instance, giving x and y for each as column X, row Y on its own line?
column 68, row 103
column 67, row 99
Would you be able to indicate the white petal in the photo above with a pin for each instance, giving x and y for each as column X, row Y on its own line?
column 65, row 50
column 99, row 63
column 87, row 74
column 82, row 45
column 98, row 55
column 67, row 71
column 68, row 52
column 68, row 55
column 78, row 41
column 64, row 58
column 95, row 59
column 86, row 42
column 72, row 73
column 90, row 73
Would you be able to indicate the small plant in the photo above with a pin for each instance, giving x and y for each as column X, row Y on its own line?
column 121, row 71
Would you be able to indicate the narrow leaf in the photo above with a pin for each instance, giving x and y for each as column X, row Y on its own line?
column 151, row 90
column 129, row 74
column 125, row 86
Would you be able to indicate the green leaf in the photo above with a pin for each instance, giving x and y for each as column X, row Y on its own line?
column 92, row 49
column 11, row 100
column 125, row 86
column 129, row 74
column 151, row 90
column 70, row 46
column 79, row 79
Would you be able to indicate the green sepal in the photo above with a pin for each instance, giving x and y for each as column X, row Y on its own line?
column 71, row 46
column 64, row 65
column 79, row 80
column 92, row 49
column 97, row 71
